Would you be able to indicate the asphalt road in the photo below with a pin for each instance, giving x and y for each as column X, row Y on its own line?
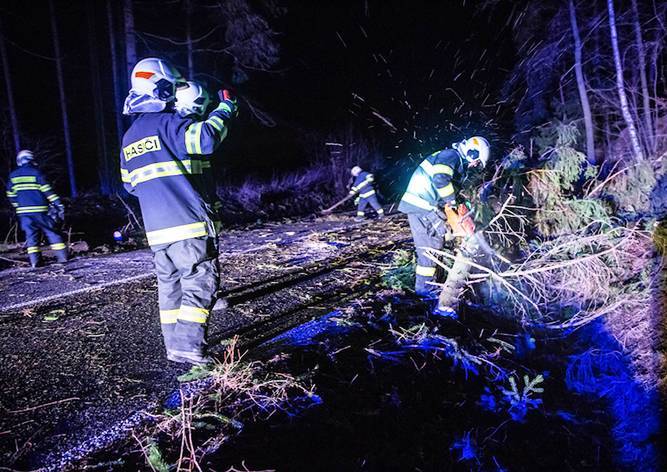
column 80, row 347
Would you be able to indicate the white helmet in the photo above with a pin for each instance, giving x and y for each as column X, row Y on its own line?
column 24, row 157
column 156, row 78
column 192, row 100
column 475, row 149
column 356, row 170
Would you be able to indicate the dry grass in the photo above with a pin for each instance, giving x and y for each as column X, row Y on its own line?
column 236, row 391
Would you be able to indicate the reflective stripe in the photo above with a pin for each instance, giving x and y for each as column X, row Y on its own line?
column 125, row 176
column 446, row 191
column 58, row 246
column 442, row 169
column 217, row 204
column 19, row 187
column 223, row 106
column 425, row 271
column 361, row 185
column 164, row 169
column 417, row 201
column 32, row 209
column 53, row 198
column 367, row 194
column 169, row 316
column 427, row 166
column 193, row 138
column 24, row 179
column 205, row 164
column 10, row 194
column 45, row 188
column 216, row 122
column 177, row 233
column 33, row 249
column 194, row 314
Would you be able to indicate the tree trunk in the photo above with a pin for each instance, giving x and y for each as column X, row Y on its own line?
column 641, row 55
column 188, row 39
column 117, row 98
column 10, row 92
column 63, row 101
column 625, row 107
column 130, row 38
column 104, row 171
column 581, row 86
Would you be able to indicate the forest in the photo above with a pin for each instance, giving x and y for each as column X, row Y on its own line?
column 324, row 354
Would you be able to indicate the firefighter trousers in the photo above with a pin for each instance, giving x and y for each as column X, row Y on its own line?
column 371, row 201
column 188, row 276
column 36, row 224
column 428, row 231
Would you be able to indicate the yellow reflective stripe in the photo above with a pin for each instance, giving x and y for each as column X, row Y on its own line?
column 33, row 249
column 45, row 188
column 58, row 246
column 169, row 316
column 427, row 166
column 193, row 138
column 417, row 201
column 53, row 198
column 223, row 106
column 216, row 122
column 24, row 179
column 206, row 164
column 362, row 184
column 19, row 187
column 446, row 191
column 367, row 194
column 125, row 176
column 425, row 271
column 193, row 313
column 32, row 209
column 442, row 169
column 10, row 193
column 177, row 233
column 164, row 169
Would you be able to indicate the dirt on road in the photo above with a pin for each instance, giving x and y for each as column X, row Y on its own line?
column 80, row 344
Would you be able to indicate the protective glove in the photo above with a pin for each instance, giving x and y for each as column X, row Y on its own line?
column 228, row 104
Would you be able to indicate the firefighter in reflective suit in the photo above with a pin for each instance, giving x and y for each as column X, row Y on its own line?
column 161, row 165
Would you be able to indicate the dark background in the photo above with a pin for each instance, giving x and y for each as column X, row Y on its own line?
column 434, row 70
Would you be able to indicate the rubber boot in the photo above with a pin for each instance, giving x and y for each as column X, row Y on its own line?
column 36, row 259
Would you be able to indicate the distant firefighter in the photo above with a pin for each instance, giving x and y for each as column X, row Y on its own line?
column 364, row 186
column 192, row 102
column 31, row 196
column 161, row 165
column 431, row 194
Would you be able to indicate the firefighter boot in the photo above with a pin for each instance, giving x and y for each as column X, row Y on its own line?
column 36, row 259
column 189, row 357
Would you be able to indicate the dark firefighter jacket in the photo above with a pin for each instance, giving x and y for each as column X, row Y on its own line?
column 434, row 183
column 161, row 164
column 363, row 184
column 28, row 192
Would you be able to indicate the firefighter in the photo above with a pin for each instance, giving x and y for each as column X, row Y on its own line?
column 32, row 196
column 192, row 102
column 432, row 192
column 161, row 166
column 364, row 185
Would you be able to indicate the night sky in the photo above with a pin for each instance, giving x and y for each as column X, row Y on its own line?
column 431, row 70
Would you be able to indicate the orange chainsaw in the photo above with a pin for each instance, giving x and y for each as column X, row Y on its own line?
column 460, row 220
